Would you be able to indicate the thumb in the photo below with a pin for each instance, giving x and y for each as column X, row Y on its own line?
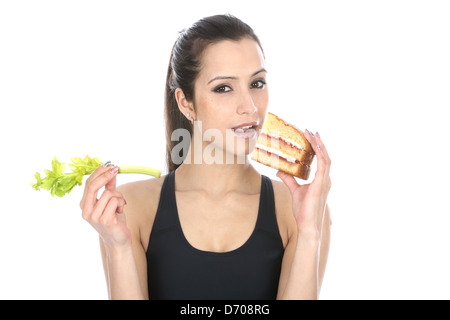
column 288, row 180
column 111, row 185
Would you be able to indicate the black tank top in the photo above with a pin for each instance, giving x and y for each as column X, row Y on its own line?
column 177, row 270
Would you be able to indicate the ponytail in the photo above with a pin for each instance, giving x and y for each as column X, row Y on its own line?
column 174, row 119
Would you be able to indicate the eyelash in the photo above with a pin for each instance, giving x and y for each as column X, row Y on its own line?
column 221, row 88
column 263, row 84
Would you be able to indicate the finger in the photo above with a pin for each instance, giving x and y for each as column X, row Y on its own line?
column 101, row 204
column 317, row 146
column 327, row 179
column 322, row 147
column 109, row 213
column 288, row 180
column 314, row 141
column 111, row 184
column 96, row 184
column 98, row 171
column 106, row 196
column 324, row 150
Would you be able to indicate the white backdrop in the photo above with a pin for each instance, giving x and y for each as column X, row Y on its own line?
column 87, row 77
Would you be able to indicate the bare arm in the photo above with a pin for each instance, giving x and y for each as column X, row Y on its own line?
column 120, row 250
column 304, row 264
column 324, row 245
column 121, row 273
column 307, row 251
column 126, row 270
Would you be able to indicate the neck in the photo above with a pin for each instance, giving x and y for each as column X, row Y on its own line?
column 216, row 171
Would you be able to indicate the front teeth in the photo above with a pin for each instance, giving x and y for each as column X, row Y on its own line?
column 243, row 128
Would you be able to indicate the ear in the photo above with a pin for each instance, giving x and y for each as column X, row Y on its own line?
column 184, row 105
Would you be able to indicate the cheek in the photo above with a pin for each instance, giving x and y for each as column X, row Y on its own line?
column 212, row 110
column 261, row 101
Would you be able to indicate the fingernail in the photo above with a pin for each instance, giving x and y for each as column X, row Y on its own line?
column 310, row 132
column 318, row 135
column 107, row 164
column 115, row 169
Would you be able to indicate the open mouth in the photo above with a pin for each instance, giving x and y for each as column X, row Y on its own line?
column 246, row 131
column 244, row 128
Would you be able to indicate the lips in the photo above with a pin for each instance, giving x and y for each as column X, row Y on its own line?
column 246, row 130
column 246, row 125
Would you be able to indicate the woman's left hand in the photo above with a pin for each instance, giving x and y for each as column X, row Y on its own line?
column 309, row 200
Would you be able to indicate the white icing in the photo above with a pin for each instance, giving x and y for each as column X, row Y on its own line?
column 285, row 139
column 276, row 152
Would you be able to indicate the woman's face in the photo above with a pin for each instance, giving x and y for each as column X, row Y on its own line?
column 231, row 95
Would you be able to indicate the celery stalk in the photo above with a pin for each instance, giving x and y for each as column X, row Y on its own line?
column 140, row 170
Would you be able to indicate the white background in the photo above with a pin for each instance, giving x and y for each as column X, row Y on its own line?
column 373, row 77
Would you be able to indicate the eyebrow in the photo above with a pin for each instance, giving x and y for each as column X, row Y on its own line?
column 235, row 78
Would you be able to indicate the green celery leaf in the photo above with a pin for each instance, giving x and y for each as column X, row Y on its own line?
column 60, row 183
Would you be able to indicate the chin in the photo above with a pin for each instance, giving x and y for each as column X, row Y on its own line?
column 243, row 148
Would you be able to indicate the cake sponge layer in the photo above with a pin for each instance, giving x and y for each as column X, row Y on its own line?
column 280, row 147
column 297, row 169
column 277, row 127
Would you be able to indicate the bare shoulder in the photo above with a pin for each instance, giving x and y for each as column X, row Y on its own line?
column 142, row 199
column 283, row 208
column 143, row 192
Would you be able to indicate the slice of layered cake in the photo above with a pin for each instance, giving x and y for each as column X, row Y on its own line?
column 282, row 146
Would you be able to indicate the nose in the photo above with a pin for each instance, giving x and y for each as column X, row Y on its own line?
column 246, row 105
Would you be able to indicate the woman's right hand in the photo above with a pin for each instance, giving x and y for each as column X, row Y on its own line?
column 105, row 214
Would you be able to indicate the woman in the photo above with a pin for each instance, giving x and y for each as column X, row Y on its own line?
column 213, row 229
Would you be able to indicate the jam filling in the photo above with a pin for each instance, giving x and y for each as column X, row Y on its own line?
column 283, row 141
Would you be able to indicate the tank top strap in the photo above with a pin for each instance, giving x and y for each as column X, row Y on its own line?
column 166, row 213
column 267, row 219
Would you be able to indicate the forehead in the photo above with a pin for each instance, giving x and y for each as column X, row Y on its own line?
column 231, row 58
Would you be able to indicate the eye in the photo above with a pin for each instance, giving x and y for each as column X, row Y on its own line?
column 222, row 89
column 259, row 84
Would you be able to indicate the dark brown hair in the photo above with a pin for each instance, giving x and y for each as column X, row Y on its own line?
column 185, row 65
